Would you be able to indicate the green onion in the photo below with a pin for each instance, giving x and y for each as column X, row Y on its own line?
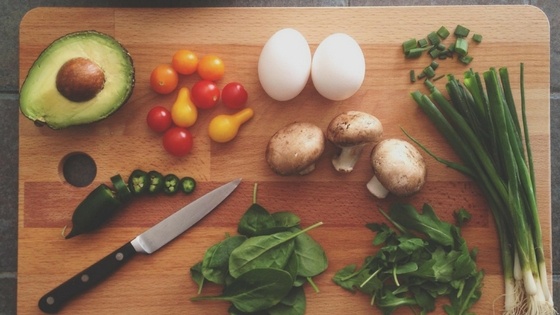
column 415, row 52
column 433, row 38
column 412, row 76
column 461, row 46
column 481, row 124
column 423, row 43
column 461, row 31
column 434, row 65
column 430, row 72
column 443, row 32
column 434, row 52
column 477, row 38
column 466, row 59
column 408, row 45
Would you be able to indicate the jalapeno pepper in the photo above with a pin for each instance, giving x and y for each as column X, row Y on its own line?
column 96, row 208
column 171, row 184
column 138, row 182
column 103, row 202
column 123, row 192
column 187, row 184
column 156, row 182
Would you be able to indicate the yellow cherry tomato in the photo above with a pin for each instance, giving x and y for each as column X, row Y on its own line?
column 183, row 111
column 224, row 128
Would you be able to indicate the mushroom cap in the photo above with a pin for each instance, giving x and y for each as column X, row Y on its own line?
column 295, row 148
column 354, row 128
column 398, row 166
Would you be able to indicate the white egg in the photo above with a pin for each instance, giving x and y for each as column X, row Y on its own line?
column 285, row 64
column 338, row 67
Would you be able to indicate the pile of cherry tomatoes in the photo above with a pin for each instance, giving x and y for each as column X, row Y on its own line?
column 204, row 94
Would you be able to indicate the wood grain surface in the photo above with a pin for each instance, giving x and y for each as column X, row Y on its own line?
column 160, row 283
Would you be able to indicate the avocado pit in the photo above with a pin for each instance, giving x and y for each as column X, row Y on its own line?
column 80, row 79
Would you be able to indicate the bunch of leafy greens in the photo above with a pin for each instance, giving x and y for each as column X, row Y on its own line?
column 420, row 259
column 264, row 267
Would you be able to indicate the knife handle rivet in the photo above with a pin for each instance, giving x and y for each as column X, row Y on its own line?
column 50, row 300
column 85, row 278
column 119, row 256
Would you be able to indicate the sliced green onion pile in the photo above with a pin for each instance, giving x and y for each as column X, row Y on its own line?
column 481, row 123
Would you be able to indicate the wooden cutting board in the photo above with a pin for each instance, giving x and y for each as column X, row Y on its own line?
column 160, row 283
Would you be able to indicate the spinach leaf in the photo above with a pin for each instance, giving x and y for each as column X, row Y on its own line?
column 285, row 219
column 255, row 220
column 310, row 255
column 292, row 304
column 266, row 251
column 255, row 290
column 216, row 259
column 197, row 276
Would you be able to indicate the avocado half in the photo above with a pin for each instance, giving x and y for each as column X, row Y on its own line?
column 78, row 79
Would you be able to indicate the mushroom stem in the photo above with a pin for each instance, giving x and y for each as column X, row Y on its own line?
column 376, row 188
column 347, row 158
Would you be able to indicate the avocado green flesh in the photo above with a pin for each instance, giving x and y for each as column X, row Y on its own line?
column 40, row 100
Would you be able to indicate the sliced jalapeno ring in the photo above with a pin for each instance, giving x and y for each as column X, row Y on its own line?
column 156, row 182
column 123, row 192
column 171, row 184
column 96, row 208
column 187, row 184
column 138, row 182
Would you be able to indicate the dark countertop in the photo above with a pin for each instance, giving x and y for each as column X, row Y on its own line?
column 11, row 13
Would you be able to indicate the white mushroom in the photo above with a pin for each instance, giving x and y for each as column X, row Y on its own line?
column 398, row 167
column 351, row 131
column 295, row 148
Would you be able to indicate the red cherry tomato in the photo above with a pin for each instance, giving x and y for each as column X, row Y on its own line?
column 205, row 94
column 178, row 141
column 159, row 119
column 234, row 95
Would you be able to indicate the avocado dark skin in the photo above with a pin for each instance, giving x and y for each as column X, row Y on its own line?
column 80, row 78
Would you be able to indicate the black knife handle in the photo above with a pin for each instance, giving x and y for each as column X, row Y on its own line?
column 53, row 301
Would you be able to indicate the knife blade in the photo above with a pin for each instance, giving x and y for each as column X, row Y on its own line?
column 148, row 242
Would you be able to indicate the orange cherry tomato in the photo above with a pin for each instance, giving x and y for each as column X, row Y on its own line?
column 184, row 62
column 211, row 67
column 164, row 79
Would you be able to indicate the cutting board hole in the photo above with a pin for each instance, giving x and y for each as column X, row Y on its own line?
column 78, row 169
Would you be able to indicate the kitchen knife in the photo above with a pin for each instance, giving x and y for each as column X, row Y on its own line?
column 146, row 243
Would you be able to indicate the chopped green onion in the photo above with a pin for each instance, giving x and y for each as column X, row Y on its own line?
column 461, row 46
column 477, row 38
column 408, row 45
column 415, row 52
column 461, row 31
column 434, row 52
column 433, row 38
column 412, row 76
column 423, row 43
column 443, row 32
column 466, row 59
column 430, row 72
column 434, row 65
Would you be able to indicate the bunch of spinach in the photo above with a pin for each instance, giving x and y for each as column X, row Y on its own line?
column 419, row 260
column 264, row 267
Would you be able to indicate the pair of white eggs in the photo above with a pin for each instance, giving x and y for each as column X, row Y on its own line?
column 337, row 68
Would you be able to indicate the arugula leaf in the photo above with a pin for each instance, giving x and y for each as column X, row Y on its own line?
column 426, row 223
column 421, row 259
